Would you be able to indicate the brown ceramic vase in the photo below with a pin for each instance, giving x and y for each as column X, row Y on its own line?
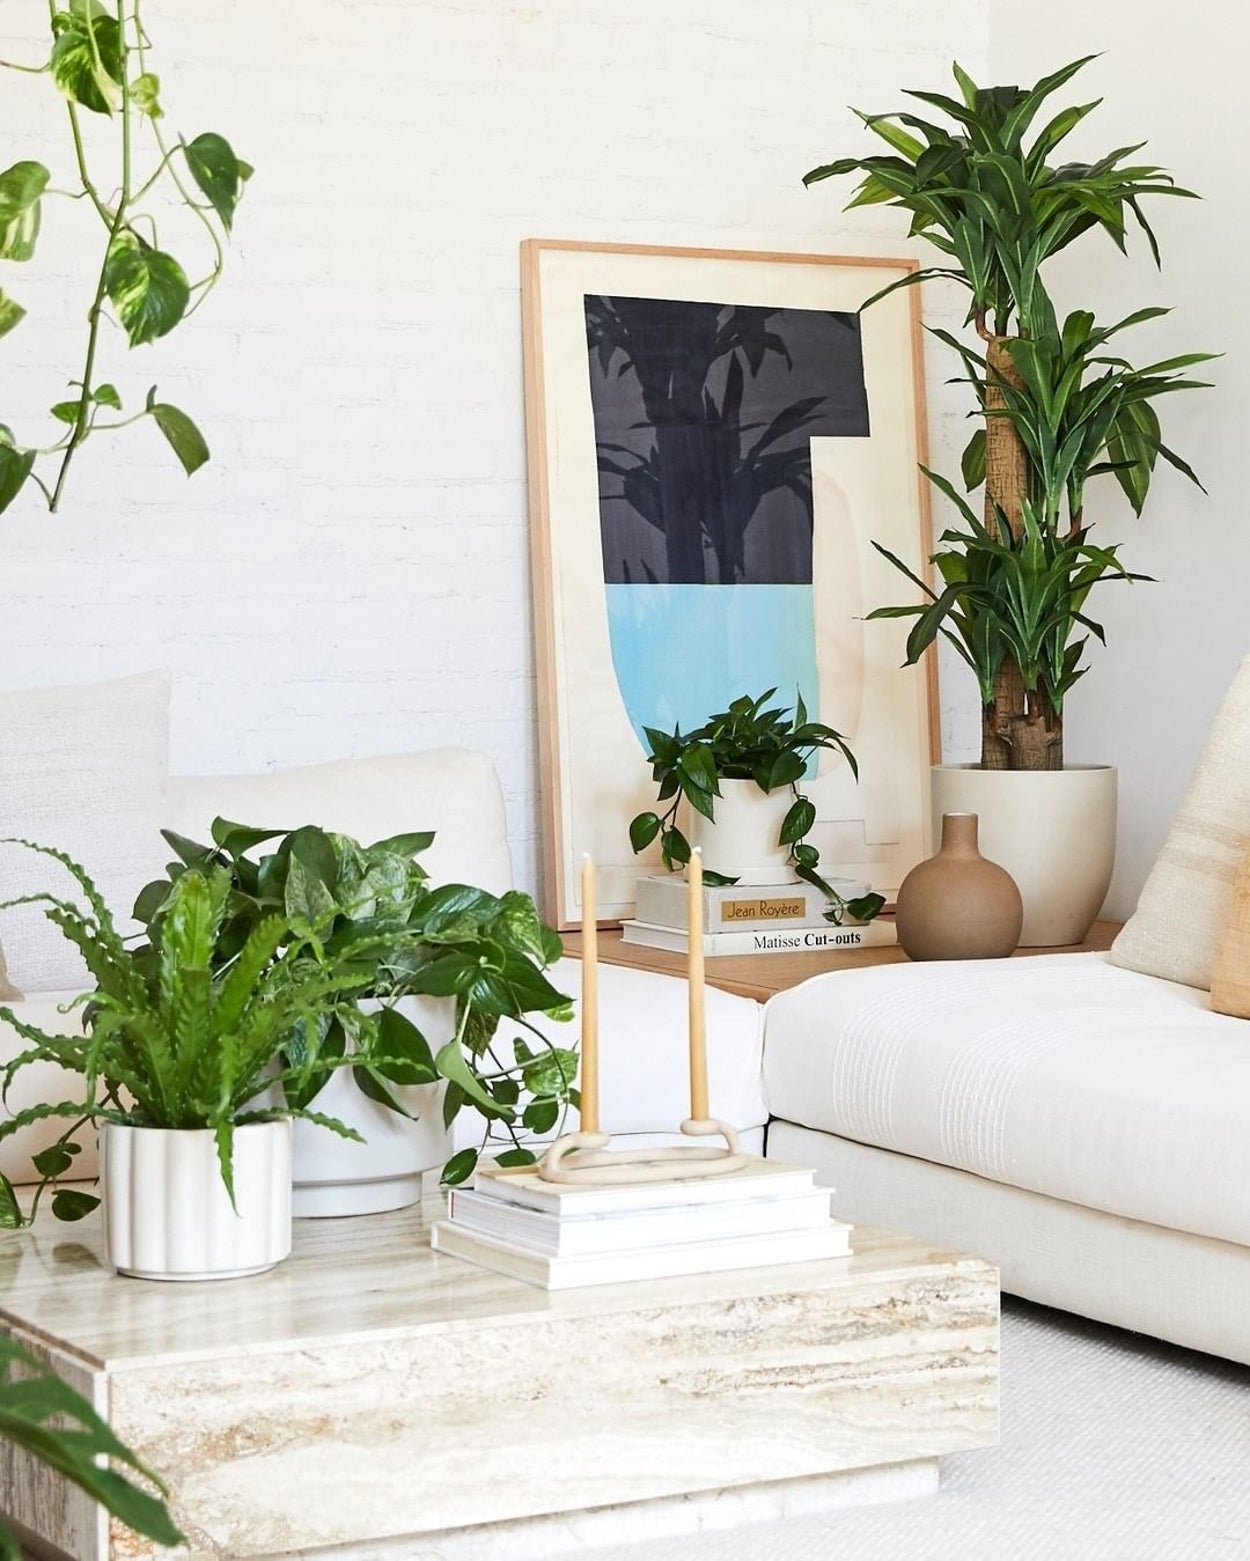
column 957, row 905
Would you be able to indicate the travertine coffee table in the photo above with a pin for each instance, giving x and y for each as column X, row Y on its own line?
column 373, row 1399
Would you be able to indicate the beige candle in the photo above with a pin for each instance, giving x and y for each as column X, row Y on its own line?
column 590, row 1002
column 698, row 1029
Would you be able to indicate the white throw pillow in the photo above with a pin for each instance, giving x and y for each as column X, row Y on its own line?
column 81, row 769
column 1181, row 915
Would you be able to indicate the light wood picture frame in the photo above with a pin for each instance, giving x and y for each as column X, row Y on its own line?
column 744, row 393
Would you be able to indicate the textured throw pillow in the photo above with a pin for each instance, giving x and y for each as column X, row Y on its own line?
column 1188, row 897
column 81, row 769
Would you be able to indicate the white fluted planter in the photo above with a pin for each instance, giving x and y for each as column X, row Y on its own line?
column 1054, row 832
column 741, row 842
column 167, row 1214
column 337, row 1176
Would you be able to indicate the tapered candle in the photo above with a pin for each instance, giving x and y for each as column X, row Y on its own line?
column 589, row 1111
column 698, row 1030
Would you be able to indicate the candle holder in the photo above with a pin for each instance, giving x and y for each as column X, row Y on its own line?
column 586, row 1158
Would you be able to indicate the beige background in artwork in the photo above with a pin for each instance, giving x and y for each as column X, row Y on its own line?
column 595, row 776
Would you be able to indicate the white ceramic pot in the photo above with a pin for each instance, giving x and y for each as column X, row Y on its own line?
column 741, row 842
column 1054, row 832
column 167, row 1214
column 337, row 1176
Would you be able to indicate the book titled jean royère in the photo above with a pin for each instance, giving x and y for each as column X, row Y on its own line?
column 662, row 900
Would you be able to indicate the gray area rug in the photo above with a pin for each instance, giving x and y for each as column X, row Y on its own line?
column 1114, row 1448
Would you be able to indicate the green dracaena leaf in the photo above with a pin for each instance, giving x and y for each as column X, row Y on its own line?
column 148, row 289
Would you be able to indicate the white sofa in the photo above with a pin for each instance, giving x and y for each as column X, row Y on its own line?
column 1084, row 1126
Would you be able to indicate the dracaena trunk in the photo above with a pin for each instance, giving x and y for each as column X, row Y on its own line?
column 1018, row 731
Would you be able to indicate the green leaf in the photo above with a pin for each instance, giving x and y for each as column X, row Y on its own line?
column 11, row 314
column 106, row 396
column 307, row 900
column 66, row 411
column 148, row 289
column 409, row 1059
column 454, row 1067
column 551, row 1072
column 866, row 906
column 410, row 844
column 217, row 171
column 15, row 467
column 69, row 1205
column 11, row 1216
column 231, row 837
column 643, row 830
column 459, row 1168
column 540, row 1116
column 21, row 187
column 516, row 1157
column 798, row 822
column 86, row 59
column 53, row 1161
column 185, row 439
column 145, row 94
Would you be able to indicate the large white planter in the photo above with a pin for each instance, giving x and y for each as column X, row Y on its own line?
column 1054, row 832
column 741, row 842
column 167, row 1214
column 337, row 1176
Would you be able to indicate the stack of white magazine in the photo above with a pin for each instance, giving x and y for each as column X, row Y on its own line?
column 564, row 1235
column 756, row 919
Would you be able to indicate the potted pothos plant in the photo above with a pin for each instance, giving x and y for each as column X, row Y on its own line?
column 1059, row 406
column 99, row 59
column 740, row 774
column 453, row 963
column 184, row 1062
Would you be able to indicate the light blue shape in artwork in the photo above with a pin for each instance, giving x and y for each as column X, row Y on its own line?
column 683, row 652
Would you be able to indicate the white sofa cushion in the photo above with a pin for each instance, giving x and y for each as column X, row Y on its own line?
column 644, row 1082
column 1063, row 1074
column 81, row 769
column 1181, row 914
column 453, row 791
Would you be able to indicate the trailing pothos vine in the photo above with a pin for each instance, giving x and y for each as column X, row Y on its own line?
column 98, row 59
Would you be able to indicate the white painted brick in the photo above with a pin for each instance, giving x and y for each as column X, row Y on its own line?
column 351, row 574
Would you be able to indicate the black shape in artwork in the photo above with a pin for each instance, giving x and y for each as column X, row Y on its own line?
column 704, row 413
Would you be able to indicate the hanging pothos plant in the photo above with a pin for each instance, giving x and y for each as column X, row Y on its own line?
column 98, row 59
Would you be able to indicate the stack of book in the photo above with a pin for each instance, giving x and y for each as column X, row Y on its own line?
column 770, row 919
column 564, row 1235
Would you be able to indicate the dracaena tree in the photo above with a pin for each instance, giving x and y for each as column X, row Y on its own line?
column 1058, row 404
column 98, row 58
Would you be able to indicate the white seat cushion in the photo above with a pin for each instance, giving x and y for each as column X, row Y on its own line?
column 644, row 1084
column 1061, row 1074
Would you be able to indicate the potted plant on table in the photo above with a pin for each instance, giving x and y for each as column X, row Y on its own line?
column 1060, row 405
column 183, row 1064
column 740, row 773
column 454, row 959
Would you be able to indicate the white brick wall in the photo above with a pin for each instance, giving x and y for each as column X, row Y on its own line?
column 350, row 574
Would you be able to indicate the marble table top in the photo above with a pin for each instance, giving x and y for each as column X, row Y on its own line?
column 371, row 1276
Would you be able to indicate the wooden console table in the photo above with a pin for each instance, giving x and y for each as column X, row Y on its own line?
column 760, row 975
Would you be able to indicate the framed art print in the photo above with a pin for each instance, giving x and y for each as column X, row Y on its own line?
column 715, row 441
